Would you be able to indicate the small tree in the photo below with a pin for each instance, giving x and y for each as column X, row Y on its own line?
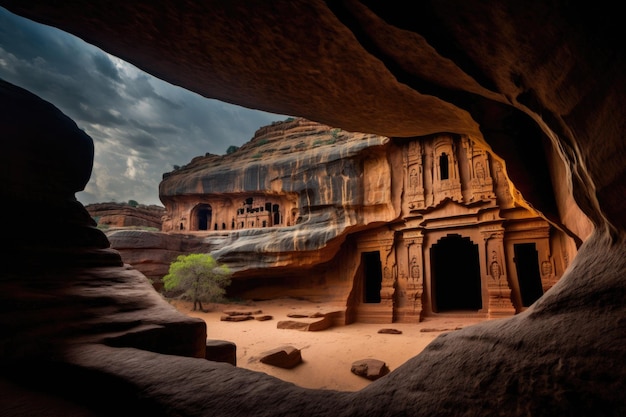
column 199, row 277
column 231, row 149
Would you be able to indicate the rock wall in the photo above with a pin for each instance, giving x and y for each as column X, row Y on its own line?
column 403, row 203
column 122, row 215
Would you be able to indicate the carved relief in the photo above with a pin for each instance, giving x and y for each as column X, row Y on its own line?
column 500, row 302
column 416, row 175
column 415, row 281
column 481, row 183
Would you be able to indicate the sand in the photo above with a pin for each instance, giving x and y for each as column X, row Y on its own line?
column 327, row 355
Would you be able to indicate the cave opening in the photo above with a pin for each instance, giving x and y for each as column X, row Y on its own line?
column 456, row 274
column 373, row 276
column 203, row 216
column 527, row 266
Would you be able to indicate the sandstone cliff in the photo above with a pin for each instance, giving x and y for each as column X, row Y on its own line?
column 307, row 210
column 326, row 180
column 123, row 215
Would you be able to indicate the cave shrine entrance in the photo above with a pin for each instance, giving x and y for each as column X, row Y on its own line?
column 202, row 216
column 372, row 276
column 527, row 266
column 455, row 274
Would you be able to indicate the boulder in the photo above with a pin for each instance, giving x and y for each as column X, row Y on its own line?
column 221, row 351
column 283, row 357
column 371, row 369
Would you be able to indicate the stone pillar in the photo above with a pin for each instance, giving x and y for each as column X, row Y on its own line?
column 499, row 300
column 387, row 288
column 413, row 281
column 415, row 172
column 415, row 285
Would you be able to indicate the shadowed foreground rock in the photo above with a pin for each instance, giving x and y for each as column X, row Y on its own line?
column 541, row 83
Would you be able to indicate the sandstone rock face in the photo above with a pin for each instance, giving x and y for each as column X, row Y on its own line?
column 289, row 174
column 399, row 216
column 152, row 252
column 539, row 83
column 123, row 215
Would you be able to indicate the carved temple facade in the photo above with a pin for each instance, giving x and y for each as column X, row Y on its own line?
column 224, row 213
column 459, row 246
column 462, row 246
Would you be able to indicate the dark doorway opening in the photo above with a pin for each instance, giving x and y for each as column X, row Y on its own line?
column 373, row 276
column 443, row 165
column 204, row 215
column 527, row 267
column 276, row 214
column 455, row 274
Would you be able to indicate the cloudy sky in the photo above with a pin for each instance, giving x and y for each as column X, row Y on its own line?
column 141, row 126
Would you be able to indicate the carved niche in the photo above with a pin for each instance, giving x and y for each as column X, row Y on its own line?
column 446, row 179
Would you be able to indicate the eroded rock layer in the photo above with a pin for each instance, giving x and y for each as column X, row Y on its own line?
column 390, row 229
column 113, row 215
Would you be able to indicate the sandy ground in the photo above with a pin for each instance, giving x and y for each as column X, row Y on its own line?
column 327, row 355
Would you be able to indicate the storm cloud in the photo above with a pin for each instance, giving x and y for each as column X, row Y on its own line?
column 141, row 126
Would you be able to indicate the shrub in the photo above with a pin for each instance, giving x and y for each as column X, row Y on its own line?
column 199, row 278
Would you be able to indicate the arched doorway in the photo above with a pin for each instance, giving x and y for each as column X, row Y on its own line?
column 455, row 274
column 202, row 215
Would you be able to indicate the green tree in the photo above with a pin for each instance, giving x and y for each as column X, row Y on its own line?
column 231, row 149
column 199, row 277
column 133, row 203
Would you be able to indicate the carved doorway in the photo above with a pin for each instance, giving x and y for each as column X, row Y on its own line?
column 373, row 276
column 455, row 274
column 527, row 266
column 202, row 216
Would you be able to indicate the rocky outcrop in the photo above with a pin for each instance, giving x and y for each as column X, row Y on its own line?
column 317, row 181
column 151, row 253
column 114, row 215
column 302, row 197
column 539, row 83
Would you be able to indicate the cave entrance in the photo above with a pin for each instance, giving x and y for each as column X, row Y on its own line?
column 373, row 276
column 527, row 266
column 203, row 215
column 455, row 274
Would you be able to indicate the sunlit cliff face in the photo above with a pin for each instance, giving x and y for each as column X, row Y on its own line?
column 538, row 83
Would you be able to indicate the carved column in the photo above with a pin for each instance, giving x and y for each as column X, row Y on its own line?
column 415, row 172
column 481, row 182
column 415, row 282
column 499, row 301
